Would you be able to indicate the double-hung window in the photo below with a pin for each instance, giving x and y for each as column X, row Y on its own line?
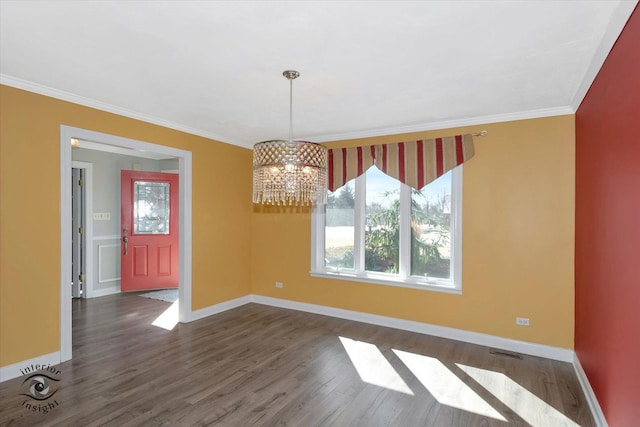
column 379, row 230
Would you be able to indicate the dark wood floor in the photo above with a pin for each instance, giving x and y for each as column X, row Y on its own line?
column 259, row 365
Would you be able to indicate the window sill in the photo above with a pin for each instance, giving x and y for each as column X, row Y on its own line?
column 382, row 280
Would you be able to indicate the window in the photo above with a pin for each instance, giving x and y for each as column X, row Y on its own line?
column 376, row 229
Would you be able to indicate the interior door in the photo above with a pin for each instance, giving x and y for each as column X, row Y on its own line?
column 77, row 232
column 149, row 230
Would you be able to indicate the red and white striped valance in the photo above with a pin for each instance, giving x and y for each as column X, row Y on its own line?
column 415, row 163
column 346, row 164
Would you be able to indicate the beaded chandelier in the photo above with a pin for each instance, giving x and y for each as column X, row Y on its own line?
column 289, row 172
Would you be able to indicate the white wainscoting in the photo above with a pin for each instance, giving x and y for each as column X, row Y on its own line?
column 111, row 237
column 108, row 263
column 106, row 259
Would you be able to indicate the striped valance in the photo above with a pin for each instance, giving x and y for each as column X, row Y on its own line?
column 346, row 164
column 415, row 163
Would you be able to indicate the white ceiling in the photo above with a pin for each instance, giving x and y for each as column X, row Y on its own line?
column 367, row 67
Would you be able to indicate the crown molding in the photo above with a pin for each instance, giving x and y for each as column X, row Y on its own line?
column 618, row 21
column 420, row 127
column 470, row 121
column 103, row 106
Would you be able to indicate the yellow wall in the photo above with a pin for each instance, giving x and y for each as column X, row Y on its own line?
column 30, row 215
column 518, row 234
column 518, row 225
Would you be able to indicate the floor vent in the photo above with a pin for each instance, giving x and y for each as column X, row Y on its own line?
column 505, row 353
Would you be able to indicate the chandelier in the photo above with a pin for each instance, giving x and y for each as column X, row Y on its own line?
column 289, row 172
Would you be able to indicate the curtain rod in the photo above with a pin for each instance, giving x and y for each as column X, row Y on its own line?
column 481, row 133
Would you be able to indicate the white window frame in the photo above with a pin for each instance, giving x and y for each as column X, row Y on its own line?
column 403, row 277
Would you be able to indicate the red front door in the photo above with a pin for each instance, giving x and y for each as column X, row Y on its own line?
column 149, row 230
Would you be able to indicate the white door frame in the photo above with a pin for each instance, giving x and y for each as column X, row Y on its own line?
column 87, row 283
column 67, row 133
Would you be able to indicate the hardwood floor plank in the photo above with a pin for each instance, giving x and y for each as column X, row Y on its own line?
column 265, row 366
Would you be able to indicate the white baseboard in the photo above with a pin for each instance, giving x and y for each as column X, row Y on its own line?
column 596, row 410
column 13, row 371
column 523, row 347
column 539, row 350
column 104, row 292
column 219, row 308
column 532, row 349
column 549, row 352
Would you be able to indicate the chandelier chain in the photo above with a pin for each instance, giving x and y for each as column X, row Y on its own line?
column 290, row 110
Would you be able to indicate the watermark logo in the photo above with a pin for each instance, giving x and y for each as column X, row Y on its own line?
column 39, row 387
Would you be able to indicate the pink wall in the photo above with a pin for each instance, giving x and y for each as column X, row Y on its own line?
column 607, row 335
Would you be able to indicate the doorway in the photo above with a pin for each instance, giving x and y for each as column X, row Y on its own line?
column 67, row 136
column 78, row 230
column 82, row 206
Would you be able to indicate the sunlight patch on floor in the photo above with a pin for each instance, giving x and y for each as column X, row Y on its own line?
column 445, row 386
column 527, row 405
column 169, row 318
column 373, row 367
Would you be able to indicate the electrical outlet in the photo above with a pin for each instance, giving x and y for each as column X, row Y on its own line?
column 279, row 285
column 522, row 321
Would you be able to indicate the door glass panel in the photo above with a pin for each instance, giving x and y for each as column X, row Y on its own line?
column 151, row 207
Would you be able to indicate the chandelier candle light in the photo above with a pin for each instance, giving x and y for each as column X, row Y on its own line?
column 289, row 172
